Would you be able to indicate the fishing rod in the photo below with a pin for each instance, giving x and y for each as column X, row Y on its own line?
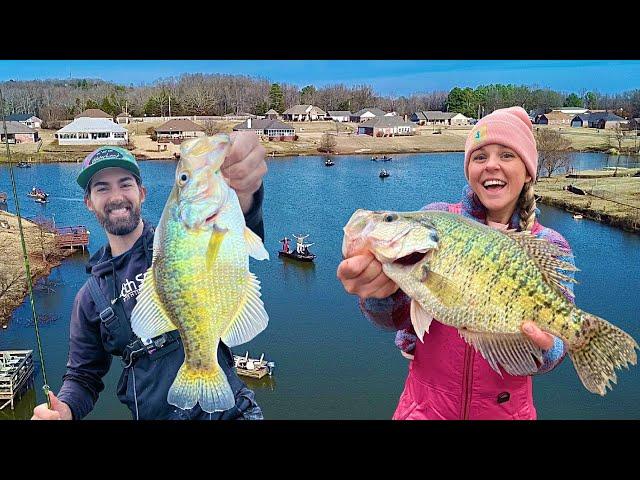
column 45, row 387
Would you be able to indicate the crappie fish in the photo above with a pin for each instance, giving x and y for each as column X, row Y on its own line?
column 485, row 283
column 199, row 282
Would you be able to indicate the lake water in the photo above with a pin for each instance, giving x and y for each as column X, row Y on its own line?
column 331, row 363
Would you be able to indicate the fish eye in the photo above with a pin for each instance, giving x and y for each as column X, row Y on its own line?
column 183, row 178
column 390, row 218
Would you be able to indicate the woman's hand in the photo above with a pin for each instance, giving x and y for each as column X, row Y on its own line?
column 542, row 339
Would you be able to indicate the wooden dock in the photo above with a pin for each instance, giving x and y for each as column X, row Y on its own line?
column 72, row 237
column 16, row 374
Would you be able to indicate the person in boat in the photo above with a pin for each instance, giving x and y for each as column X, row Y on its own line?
column 300, row 243
column 100, row 325
column 285, row 245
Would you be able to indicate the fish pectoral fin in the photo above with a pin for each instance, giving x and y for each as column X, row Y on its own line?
column 148, row 318
column 445, row 290
column 255, row 247
column 251, row 318
column 420, row 319
column 514, row 352
column 214, row 247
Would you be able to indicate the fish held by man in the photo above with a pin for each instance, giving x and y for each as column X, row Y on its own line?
column 486, row 283
column 199, row 281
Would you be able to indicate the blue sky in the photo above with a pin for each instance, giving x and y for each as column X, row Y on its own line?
column 387, row 77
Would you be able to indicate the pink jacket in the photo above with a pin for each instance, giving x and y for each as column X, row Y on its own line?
column 447, row 378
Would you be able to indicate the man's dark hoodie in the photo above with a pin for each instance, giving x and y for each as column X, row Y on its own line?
column 92, row 342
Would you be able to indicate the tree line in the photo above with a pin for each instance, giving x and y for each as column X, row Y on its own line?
column 217, row 94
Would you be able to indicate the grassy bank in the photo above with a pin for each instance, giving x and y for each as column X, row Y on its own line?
column 611, row 200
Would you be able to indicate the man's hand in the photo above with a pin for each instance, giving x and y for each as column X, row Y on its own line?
column 59, row 410
column 244, row 167
column 542, row 339
column 362, row 275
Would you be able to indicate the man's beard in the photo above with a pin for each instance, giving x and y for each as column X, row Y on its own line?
column 122, row 225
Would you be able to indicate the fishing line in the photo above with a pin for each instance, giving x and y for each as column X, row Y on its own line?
column 45, row 387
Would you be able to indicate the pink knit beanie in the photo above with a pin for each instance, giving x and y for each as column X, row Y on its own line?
column 510, row 127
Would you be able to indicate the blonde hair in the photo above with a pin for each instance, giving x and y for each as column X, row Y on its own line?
column 527, row 206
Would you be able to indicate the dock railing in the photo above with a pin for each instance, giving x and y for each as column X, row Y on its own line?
column 16, row 374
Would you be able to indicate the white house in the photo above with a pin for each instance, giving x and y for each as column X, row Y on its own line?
column 26, row 119
column 338, row 115
column 303, row 112
column 123, row 118
column 385, row 126
column 92, row 131
column 366, row 114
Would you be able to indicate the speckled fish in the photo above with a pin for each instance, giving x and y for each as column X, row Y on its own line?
column 199, row 282
column 485, row 283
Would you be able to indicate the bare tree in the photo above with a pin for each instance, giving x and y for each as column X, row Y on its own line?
column 211, row 127
column 553, row 151
column 327, row 143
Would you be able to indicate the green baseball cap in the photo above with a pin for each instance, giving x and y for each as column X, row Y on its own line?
column 105, row 157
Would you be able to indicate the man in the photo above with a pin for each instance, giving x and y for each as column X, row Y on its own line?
column 100, row 320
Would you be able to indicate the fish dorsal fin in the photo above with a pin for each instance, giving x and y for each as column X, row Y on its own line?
column 251, row 317
column 255, row 247
column 546, row 256
column 420, row 319
column 445, row 290
column 512, row 351
column 148, row 318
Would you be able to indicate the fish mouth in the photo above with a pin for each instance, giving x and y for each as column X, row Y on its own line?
column 412, row 258
column 211, row 219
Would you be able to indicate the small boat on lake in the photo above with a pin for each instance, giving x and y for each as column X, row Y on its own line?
column 251, row 367
column 301, row 252
column 329, row 163
column 41, row 200
column 577, row 216
column 23, row 165
column 386, row 159
column 384, row 174
column 38, row 193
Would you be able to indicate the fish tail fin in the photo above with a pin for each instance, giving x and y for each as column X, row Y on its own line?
column 605, row 348
column 210, row 388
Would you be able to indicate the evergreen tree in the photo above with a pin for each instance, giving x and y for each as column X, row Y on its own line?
column 276, row 98
column 307, row 94
column 572, row 100
column 91, row 104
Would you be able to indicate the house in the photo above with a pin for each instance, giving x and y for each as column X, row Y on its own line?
column 607, row 120
column 634, row 124
column 433, row 117
column 177, row 130
column 123, row 118
column 19, row 133
column 300, row 113
column 92, row 131
column 94, row 113
column 338, row 115
column 272, row 128
column 386, row 127
column 26, row 119
column 271, row 115
column 555, row 118
column 580, row 121
column 366, row 114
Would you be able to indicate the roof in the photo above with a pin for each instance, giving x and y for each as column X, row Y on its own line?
column 381, row 122
column 179, row 125
column 376, row 111
column 264, row 124
column 271, row 112
column 436, row 115
column 339, row 113
column 123, row 114
column 20, row 117
column 594, row 117
column 557, row 116
column 93, row 113
column 17, row 127
column 303, row 109
column 89, row 125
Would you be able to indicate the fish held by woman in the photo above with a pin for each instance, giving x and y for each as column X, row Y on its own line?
column 486, row 283
column 199, row 281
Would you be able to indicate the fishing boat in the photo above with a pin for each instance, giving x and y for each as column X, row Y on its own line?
column 577, row 216
column 23, row 165
column 384, row 174
column 374, row 159
column 38, row 193
column 41, row 200
column 301, row 252
column 251, row 367
column 386, row 159
column 329, row 163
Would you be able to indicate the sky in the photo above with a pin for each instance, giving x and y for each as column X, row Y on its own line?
column 386, row 77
